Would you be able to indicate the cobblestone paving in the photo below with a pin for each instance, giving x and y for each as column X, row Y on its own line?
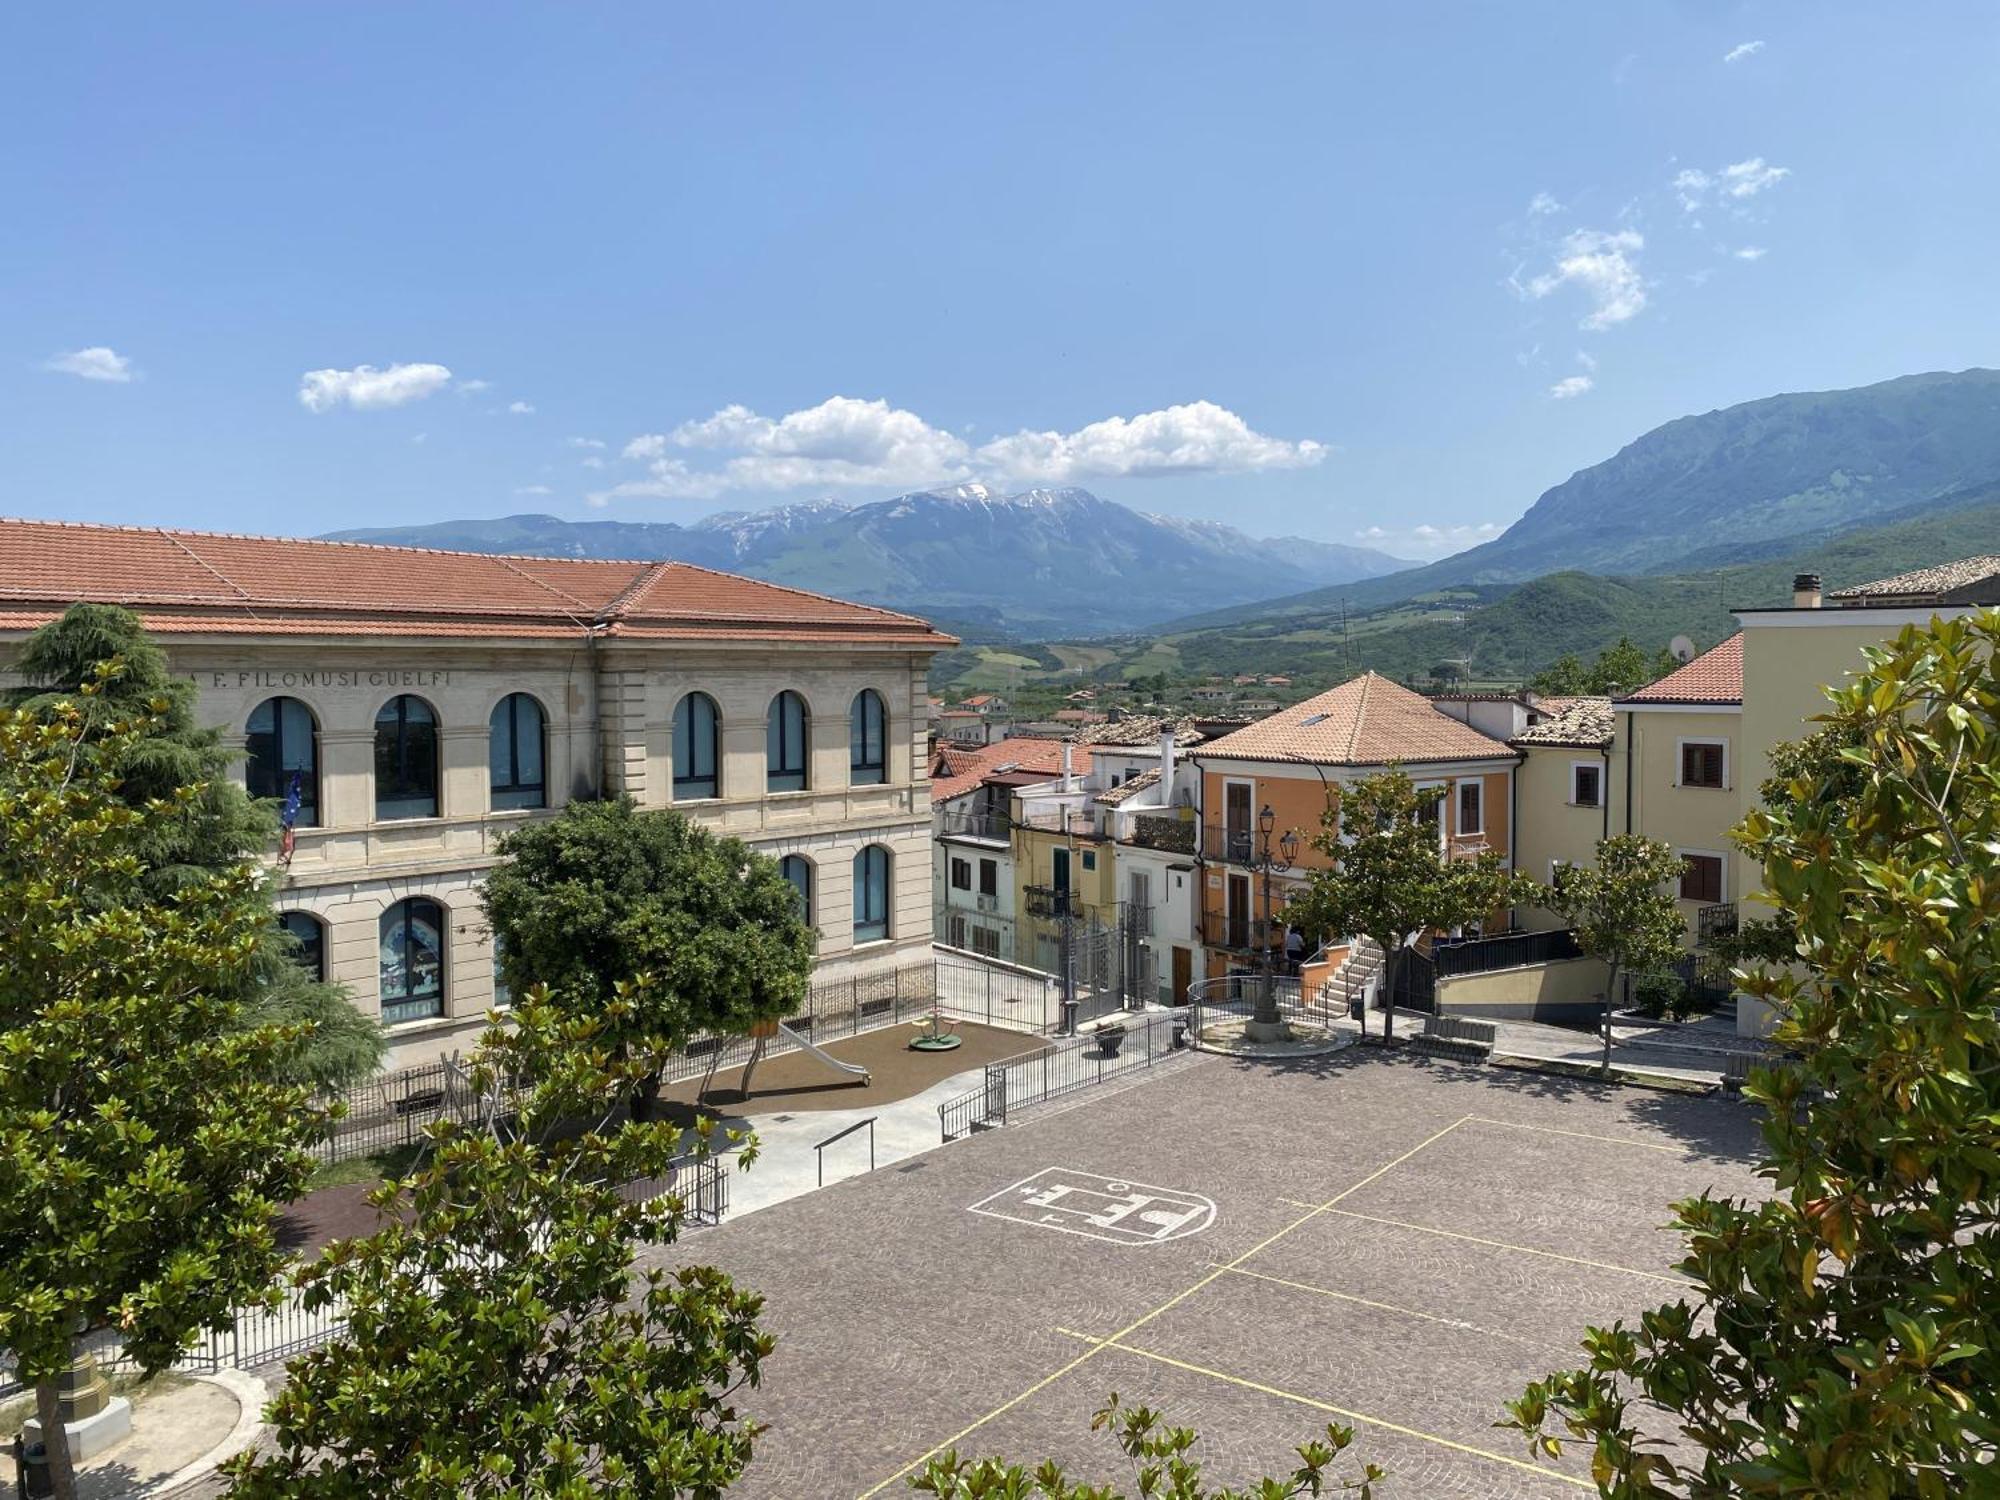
column 1405, row 1242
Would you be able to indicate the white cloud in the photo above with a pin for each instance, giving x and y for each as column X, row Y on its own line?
column 366, row 388
column 1742, row 50
column 845, row 441
column 1427, row 540
column 534, row 489
column 595, row 461
column 580, row 442
column 1198, row 438
column 520, row 408
column 1570, row 386
column 1604, row 265
column 421, row 438
column 1543, row 203
column 473, row 387
column 94, row 363
column 1736, row 182
column 1587, row 361
column 1752, row 252
column 1746, row 179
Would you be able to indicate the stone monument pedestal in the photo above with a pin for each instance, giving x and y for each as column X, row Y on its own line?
column 93, row 1419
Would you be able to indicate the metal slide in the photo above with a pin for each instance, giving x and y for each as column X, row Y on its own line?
column 853, row 1070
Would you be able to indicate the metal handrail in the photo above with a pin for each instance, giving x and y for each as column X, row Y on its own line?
column 819, row 1151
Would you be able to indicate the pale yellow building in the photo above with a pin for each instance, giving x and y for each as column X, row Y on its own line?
column 424, row 703
column 1565, row 788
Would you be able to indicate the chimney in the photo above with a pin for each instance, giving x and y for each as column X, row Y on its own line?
column 1805, row 591
column 1069, row 775
column 1166, row 763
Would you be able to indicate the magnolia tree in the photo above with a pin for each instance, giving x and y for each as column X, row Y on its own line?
column 605, row 895
column 1843, row 1337
column 499, row 1344
column 1164, row 1467
column 1387, row 877
column 146, row 1135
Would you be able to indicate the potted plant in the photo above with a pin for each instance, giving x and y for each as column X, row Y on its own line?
column 1109, row 1039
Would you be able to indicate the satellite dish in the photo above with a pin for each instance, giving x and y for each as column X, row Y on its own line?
column 1681, row 648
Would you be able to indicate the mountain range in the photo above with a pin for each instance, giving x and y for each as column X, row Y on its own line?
column 1724, row 487
column 1045, row 562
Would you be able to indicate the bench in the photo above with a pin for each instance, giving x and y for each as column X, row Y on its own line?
column 1457, row 1036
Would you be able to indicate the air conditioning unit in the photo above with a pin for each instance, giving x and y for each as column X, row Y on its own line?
column 989, row 903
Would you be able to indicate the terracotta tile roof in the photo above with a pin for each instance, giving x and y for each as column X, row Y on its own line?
column 189, row 581
column 1582, row 722
column 1971, row 580
column 1129, row 788
column 1369, row 721
column 1715, row 676
column 1018, row 762
column 1140, row 729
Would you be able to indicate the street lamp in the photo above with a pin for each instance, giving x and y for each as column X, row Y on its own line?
column 1265, row 1024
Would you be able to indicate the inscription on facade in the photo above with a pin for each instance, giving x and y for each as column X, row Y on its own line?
column 413, row 677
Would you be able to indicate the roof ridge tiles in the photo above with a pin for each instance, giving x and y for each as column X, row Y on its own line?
column 644, row 585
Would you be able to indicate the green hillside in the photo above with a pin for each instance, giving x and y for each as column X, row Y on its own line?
column 1511, row 631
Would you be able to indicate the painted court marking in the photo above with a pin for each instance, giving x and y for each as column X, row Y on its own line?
column 1546, row 1345
column 1167, row 1306
column 1580, row 1135
column 1346, row 1414
column 1474, row 1239
column 1116, row 1210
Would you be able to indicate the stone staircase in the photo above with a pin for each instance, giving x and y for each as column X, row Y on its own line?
column 1356, row 977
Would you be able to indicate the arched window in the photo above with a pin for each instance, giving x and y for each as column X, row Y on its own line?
column 517, row 736
column 697, row 733
column 871, row 894
column 785, row 744
column 799, row 871
column 412, row 961
column 283, row 741
column 406, row 760
column 867, row 740
column 311, row 936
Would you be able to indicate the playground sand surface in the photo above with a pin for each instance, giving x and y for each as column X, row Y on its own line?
column 795, row 1081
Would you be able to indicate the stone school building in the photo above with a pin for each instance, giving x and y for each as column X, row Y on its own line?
column 425, row 702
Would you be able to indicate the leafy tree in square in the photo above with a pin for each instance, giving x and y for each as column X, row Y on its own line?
column 147, row 1133
column 1623, row 909
column 499, row 1344
column 1843, row 1337
column 219, row 826
column 1387, row 876
column 605, row 895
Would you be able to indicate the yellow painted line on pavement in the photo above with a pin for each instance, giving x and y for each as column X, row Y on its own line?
column 1581, row 1135
column 1474, row 1239
column 1172, row 1302
column 1342, row 1412
column 1406, row 1312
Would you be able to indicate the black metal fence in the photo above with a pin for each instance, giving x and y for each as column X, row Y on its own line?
column 392, row 1110
column 1137, row 1043
column 1513, row 950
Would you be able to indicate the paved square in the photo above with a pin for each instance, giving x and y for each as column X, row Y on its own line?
column 1390, row 1243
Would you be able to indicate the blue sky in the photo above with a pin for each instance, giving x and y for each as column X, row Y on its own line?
column 1379, row 274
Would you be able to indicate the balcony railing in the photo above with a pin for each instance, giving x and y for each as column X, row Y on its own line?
column 1513, row 950
column 1717, row 921
column 1077, row 824
column 1232, row 845
column 995, row 827
column 1238, row 934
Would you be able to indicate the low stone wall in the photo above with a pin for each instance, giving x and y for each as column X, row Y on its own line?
column 1569, row 990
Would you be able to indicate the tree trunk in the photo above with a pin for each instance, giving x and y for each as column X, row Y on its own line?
column 750, row 1065
column 48, row 1407
column 644, row 1095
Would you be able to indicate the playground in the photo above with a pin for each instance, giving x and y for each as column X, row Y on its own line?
column 1257, row 1250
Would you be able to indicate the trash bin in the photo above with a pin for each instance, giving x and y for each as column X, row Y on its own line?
column 31, row 1470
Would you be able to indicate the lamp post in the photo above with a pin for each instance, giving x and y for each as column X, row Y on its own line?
column 1265, row 1024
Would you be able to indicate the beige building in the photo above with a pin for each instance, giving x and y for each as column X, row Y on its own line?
column 424, row 703
column 1563, row 787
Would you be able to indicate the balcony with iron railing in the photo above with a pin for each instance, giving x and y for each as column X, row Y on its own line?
column 1235, row 933
column 1230, row 845
column 1714, row 922
column 1074, row 824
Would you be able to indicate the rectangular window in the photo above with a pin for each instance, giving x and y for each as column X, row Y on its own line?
column 1586, row 785
column 1471, row 816
column 1701, row 878
column 1701, row 763
column 986, row 941
column 961, row 874
column 1090, row 859
column 989, row 878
